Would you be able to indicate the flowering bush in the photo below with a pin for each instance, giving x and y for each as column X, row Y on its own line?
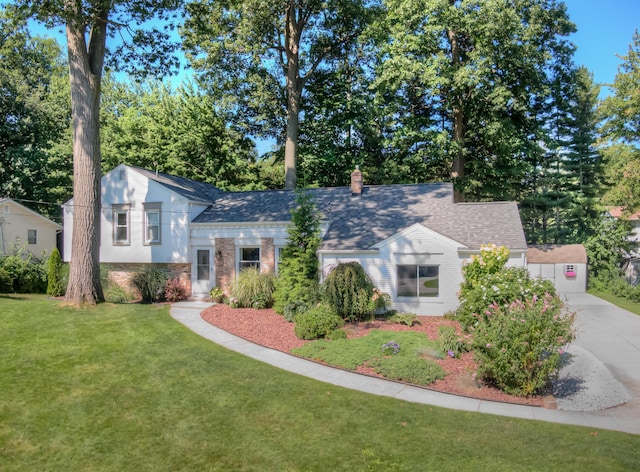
column 502, row 287
column 491, row 259
column 518, row 346
column 390, row 348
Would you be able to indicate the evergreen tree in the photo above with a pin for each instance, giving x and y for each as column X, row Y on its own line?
column 55, row 284
column 297, row 283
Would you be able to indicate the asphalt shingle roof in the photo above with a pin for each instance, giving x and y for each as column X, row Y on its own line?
column 361, row 221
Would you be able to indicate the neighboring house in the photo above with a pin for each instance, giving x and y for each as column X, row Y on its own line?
column 632, row 264
column 24, row 229
column 563, row 264
column 411, row 239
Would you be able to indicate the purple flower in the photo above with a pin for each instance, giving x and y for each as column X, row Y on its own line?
column 451, row 353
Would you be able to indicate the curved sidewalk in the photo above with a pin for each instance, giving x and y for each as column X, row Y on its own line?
column 188, row 313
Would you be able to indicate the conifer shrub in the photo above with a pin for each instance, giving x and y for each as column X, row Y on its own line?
column 297, row 287
column 348, row 290
column 318, row 322
column 253, row 289
column 55, row 284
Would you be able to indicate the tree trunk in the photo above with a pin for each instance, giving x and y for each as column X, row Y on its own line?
column 457, row 166
column 293, row 34
column 85, row 74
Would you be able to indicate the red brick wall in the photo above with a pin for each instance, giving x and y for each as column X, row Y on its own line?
column 225, row 262
column 267, row 255
column 122, row 273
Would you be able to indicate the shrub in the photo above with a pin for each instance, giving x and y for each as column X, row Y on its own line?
column 317, row 322
column 502, row 287
column 174, row 291
column 55, row 285
column 337, row 334
column 297, row 282
column 6, row 282
column 216, row 294
column 294, row 308
column 150, row 282
column 518, row 347
column 114, row 293
column 253, row 287
column 405, row 318
column 452, row 342
column 349, row 291
column 27, row 272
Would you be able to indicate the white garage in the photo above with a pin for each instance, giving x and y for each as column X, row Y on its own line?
column 563, row 264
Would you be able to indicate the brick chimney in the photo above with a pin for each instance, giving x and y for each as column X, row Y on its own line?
column 356, row 182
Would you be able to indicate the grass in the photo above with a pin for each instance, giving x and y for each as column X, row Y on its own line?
column 406, row 364
column 621, row 302
column 126, row 388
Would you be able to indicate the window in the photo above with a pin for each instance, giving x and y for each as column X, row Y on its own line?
column 203, row 266
column 32, row 236
column 249, row 257
column 152, row 223
column 570, row 270
column 418, row 280
column 121, row 225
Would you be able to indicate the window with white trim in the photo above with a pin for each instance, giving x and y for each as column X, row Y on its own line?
column 415, row 280
column 121, row 225
column 32, row 236
column 152, row 223
column 248, row 257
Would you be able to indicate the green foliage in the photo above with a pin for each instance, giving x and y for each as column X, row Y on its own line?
column 253, row 288
column 175, row 291
column 413, row 370
column 349, row 291
column 216, row 294
column 337, row 334
column 615, row 284
column 27, row 272
column 452, row 342
column 297, row 283
column 408, row 319
column 6, row 282
column 518, row 346
column 150, row 282
column 55, row 282
column 608, row 247
column 504, row 287
column 317, row 322
column 490, row 260
column 114, row 293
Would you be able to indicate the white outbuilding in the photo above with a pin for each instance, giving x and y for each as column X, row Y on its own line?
column 563, row 264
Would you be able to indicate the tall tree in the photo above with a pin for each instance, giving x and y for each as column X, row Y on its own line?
column 621, row 131
column 259, row 55
column 33, row 112
column 479, row 69
column 88, row 25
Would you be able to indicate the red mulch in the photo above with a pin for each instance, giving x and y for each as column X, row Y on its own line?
column 267, row 328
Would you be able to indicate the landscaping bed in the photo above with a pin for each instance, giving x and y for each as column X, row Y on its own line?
column 267, row 328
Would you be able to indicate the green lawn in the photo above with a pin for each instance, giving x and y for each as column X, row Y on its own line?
column 622, row 302
column 126, row 388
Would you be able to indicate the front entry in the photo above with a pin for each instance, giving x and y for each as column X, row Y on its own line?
column 202, row 271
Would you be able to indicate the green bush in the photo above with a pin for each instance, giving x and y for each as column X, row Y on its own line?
column 253, row 289
column 452, row 342
column 408, row 319
column 27, row 272
column 503, row 287
column 349, row 291
column 318, row 322
column 150, row 282
column 337, row 334
column 294, row 308
column 55, row 284
column 518, row 347
column 114, row 293
column 6, row 282
column 216, row 294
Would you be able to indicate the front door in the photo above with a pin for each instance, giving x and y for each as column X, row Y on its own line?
column 202, row 271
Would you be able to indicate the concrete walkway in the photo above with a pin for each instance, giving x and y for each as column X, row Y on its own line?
column 599, row 326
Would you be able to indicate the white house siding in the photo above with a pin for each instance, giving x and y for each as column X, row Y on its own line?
column 415, row 245
column 126, row 186
column 15, row 222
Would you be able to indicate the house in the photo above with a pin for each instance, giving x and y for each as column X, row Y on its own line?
column 563, row 264
column 411, row 239
column 24, row 229
column 631, row 265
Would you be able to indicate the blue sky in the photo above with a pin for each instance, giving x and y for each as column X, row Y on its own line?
column 605, row 28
